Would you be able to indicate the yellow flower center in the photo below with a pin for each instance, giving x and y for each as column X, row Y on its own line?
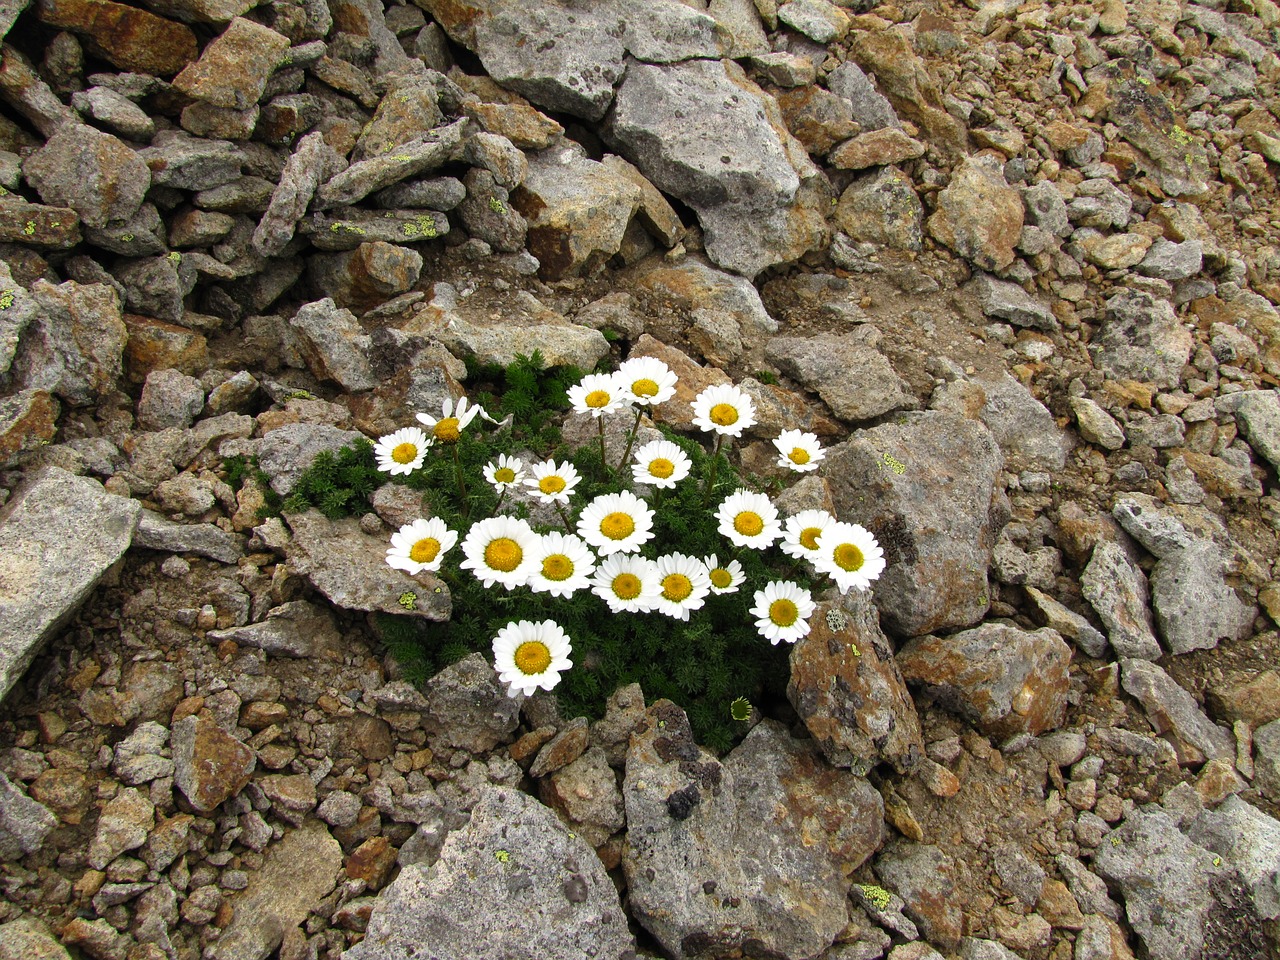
column 645, row 388
column 532, row 657
column 783, row 612
column 551, row 484
column 748, row 523
column 676, row 587
column 618, row 526
column 799, row 456
column 848, row 557
column 425, row 550
column 503, row 554
column 557, row 567
column 598, row 398
column 809, row 537
column 626, row 586
column 721, row 578
column 405, row 453
column 661, row 468
column 447, row 430
column 724, row 414
column 504, row 475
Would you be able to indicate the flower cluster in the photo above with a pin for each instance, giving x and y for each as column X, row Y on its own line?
column 608, row 546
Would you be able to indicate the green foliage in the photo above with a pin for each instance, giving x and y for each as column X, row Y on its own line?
column 241, row 469
column 766, row 376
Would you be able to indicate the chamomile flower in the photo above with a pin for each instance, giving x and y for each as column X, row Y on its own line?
column 798, row 451
column 627, row 582
column 597, row 394
column 646, row 381
column 500, row 550
column 448, row 427
column 660, row 463
column 800, row 533
column 504, row 472
column 562, row 565
column 684, row 585
column 725, row 577
column 530, row 656
column 849, row 555
column 420, row 545
column 782, row 610
column 749, row 520
column 616, row 523
column 723, row 409
column 552, row 482
column 402, row 452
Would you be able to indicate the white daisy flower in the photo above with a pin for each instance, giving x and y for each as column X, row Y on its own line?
column 723, row 409
column 504, row 472
column 800, row 533
column 616, row 523
column 849, row 555
column 500, row 550
column 552, row 482
column 783, row 609
column 660, row 463
column 562, row 565
column 597, row 394
column 627, row 582
column 448, row 427
column 529, row 655
column 420, row 545
column 749, row 520
column 684, row 585
column 402, row 452
column 799, row 451
column 646, row 381
column 725, row 577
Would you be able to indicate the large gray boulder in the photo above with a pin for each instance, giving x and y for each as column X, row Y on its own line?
column 1141, row 338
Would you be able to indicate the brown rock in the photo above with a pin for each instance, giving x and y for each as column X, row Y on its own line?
column 1059, row 907
column 210, row 766
column 816, row 117
column 372, row 862
column 37, row 225
column 1255, row 701
column 28, row 419
column 585, row 794
column 979, row 215
column 877, row 148
column 406, row 111
column 125, row 36
column 64, row 791
column 655, row 211
column 367, row 276
column 564, row 748
column 295, row 793
column 527, row 746
column 156, row 345
column 233, row 70
column 91, row 172
column 1217, row 781
column 259, row 714
column 520, row 123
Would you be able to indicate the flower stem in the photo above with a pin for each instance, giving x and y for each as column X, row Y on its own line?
column 568, row 526
column 604, row 462
column 631, row 439
column 715, row 463
column 462, row 486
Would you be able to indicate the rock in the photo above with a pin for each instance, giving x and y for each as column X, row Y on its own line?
column 1003, row 679
column 624, row 710
column 1008, row 301
column 123, row 825
column 30, row 95
column 979, row 215
column 882, row 208
column 169, row 399
column 875, row 148
column 469, row 708
column 139, row 757
column 177, row 159
column 853, row 378
column 1175, row 712
column 91, row 172
column 36, row 225
column 109, row 108
column 924, row 876
column 333, row 343
column 1250, row 841
column 488, row 215
column 520, row 123
column 1117, row 590
column 758, row 208
column 871, row 111
column 1194, row 607
column 1119, row 251
column 898, row 480
column 155, row 345
column 28, row 419
column 714, row 853
column 43, row 584
column 565, row 747
column 817, row 118
column 311, row 163
column 1096, row 425
column 420, row 155
column 569, row 907
column 1046, row 209
column 1266, row 741
column 1019, row 874
column 1258, row 414
column 904, row 77
column 349, row 567
column 368, row 276
column 740, row 20
column 818, row 20
column 1028, row 435
column 26, row 938
column 586, row 796
column 787, row 70
column 577, row 210
column 1171, row 261
column 127, row 37
column 1180, row 899
column 295, row 629
column 1173, row 158
column 24, row 823
column 353, row 227
column 287, row 452
column 203, row 539
column 866, row 716
column 408, row 108
column 1255, row 701
column 1068, row 623
column 297, row 873
column 233, row 70
column 210, row 766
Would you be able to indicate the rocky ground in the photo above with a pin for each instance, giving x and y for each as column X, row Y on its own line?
column 1016, row 264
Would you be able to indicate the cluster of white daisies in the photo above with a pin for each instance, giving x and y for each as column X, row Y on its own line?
column 602, row 553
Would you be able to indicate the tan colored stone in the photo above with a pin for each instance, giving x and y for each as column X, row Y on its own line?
column 156, row 345
column 877, row 148
column 28, row 419
column 527, row 128
column 233, row 70
column 125, row 36
column 372, row 862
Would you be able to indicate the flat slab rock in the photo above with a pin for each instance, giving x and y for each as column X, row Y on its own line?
column 57, row 540
column 513, row 860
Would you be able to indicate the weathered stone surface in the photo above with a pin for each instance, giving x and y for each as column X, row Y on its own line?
column 28, row 419
column 333, row 344
column 468, row 706
column 871, row 110
column 1173, row 157
column 140, row 757
column 937, row 526
column 1024, row 427
column 1258, row 414
column 1117, row 590
column 816, row 117
column 1266, row 741
column 979, row 215
column 585, row 794
column 1175, row 713
column 904, row 77
column 1171, row 261
column 294, row 629
column 1068, row 623
column 125, row 36
column 924, row 876
column 882, row 208
column 875, row 148
column 44, row 584
column 24, row 823
column 287, row 451
column 853, row 378
column 759, row 207
column 1008, row 301
column 169, row 399
column 488, row 214
column 298, row 872
column 407, row 109
column 177, row 159
column 818, row 20
column 155, row 345
column 1194, row 606
column 26, row 938
column 349, row 227
column 1141, row 339
column 91, row 172
column 366, row 277
column 124, row 824
column 692, row 819
column 568, row 907
column 349, row 567
column 37, row 225
column 1250, row 840
column 420, row 155
column 1096, row 425
column 210, row 766
column 999, row 677
column 233, row 70
column 120, row 114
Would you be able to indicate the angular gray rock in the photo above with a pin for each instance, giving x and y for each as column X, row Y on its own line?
column 155, row 532
column 853, row 378
column 312, row 162
column 1258, row 414
column 1024, row 427
column 936, row 524
column 169, row 399
column 1250, row 840
column 468, row 707
column 1174, row 712
column 334, row 345
column 421, row 155
column 882, row 208
column 287, row 452
column 979, row 215
column 1117, row 589
column 1141, row 339
column 210, row 765
column 58, row 537
column 1096, row 425
column 924, row 876
column 1171, row 261
column 93, row 173
column 24, row 823
column 1008, row 301
column 1194, row 606
column 74, row 345
column 139, row 758
column 26, row 938
column 514, row 860
column 1149, row 522
column 124, row 824
column 1266, row 743
column 297, row 629
column 871, row 110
